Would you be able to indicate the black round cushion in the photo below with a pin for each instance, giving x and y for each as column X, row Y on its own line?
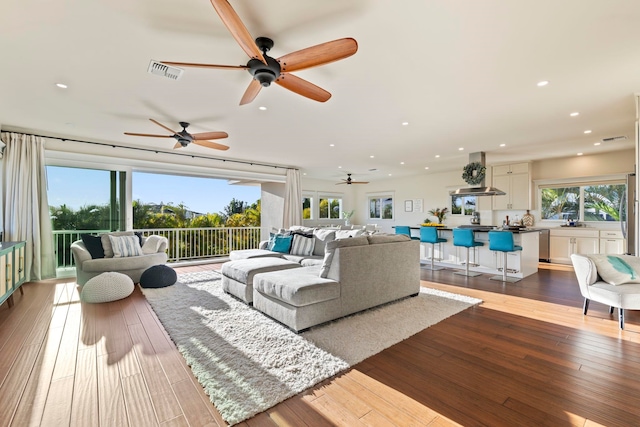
column 158, row 276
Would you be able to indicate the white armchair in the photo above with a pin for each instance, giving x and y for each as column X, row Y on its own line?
column 592, row 287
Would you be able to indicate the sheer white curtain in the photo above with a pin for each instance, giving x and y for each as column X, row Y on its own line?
column 26, row 208
column 292, row 199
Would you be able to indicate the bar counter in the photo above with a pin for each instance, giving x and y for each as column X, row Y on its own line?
column 519, row 263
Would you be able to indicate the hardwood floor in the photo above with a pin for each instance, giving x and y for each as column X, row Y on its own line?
column 525, row 357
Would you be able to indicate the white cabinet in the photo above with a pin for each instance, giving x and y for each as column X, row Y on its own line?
column 612, row 242
column 514, row 180
column 563, row 242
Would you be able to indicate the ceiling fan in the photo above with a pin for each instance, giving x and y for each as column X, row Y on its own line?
column 265, row 69
column 349, row 181
column 185, row 138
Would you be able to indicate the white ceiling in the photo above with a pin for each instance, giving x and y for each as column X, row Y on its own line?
column 463, row 73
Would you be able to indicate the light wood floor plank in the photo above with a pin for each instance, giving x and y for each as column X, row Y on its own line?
column 57, row 409
column 84, row 410
column 161, row 393
column 138, row 402
column 32, row 402
column 110, row 396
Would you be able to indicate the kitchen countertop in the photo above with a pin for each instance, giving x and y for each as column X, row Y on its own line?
column 487, row 228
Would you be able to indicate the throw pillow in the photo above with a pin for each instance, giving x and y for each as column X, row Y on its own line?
column 302, row 245
column 93, row 245
column 322, row 237
column 282, row 244
column 153, row 244
column 125, row 246
column 272, row 238
column 617, row 269
column 106, row 243
column 345, row 234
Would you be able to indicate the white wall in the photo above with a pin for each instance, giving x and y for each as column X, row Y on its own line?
column 433, row 189
column 272, row 207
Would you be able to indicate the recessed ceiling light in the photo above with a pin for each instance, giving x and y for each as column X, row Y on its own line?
column 503, row 145
column 339, row 167
column 389, row 174
column 402, row 163
column 372, row 157
column 574, row 114
column 263, row 108
column 579, row 154
column 426, row 167
column 405, row 123
column 332, row 145
column 461, row 149
column 543, row 83
column 596, row 143
column 437, row 155
column 61, row 85
column 587, row 131
column 304, row 173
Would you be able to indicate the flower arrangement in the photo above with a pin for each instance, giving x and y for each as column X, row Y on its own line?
column 347, row 216
column 440, row 214
column 474, row 173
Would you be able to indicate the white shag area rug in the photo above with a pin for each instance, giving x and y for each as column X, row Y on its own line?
column 248, row 362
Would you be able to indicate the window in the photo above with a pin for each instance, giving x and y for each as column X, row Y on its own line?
column 463, row 205
column 598, row 201
column 381, row 207
column 330, row 207
column 307, row 206
column 94, row 203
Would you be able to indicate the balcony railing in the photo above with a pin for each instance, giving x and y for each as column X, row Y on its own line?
column 184, row 243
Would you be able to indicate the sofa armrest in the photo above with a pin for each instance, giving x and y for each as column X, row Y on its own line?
column 263, row 244
column 80, row 253
column 586, row 272
column 155, row 244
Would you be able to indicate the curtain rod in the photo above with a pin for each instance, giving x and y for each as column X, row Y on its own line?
column 151, row 150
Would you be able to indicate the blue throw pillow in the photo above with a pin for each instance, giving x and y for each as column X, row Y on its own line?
column 282, row 244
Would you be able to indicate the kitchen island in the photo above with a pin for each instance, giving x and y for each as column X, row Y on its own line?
column 519, row 264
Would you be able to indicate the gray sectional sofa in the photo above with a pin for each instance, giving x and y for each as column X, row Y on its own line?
column 355, row 274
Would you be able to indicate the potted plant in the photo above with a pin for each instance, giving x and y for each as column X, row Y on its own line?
column 440, row 214
column 347, row 216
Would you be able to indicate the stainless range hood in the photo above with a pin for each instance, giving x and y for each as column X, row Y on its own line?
column 481, row 190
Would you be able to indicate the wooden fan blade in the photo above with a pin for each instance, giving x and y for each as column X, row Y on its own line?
column 338, row 183
column 318, row 55
column 148, row 134
column 359, row 182
column 173, row 132
column 252, row 91
column 191, row 64
column 211, row 144
column 237, row 29
column 209, row 135
column 303, row 87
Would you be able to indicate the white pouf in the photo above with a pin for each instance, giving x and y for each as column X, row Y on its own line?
column 106, row 287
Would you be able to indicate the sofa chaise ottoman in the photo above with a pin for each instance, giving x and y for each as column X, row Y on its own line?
column 357, row 274
column 237, row 276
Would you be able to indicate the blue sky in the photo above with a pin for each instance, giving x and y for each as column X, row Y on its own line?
column 79, row 187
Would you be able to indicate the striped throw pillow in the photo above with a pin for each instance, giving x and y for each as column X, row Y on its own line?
column 302, row 245
column 125, row 246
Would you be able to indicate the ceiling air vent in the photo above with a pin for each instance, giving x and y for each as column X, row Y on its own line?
column 614, row 138
column 162, row 70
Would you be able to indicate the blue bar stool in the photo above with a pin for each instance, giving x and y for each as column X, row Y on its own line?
column 406, row 230
column 502, row 241
column 464, row 237
column 430, row 235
